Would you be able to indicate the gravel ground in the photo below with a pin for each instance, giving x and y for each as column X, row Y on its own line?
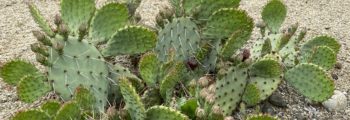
column 330, row 17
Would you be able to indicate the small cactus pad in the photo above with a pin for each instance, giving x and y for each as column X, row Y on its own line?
column 164, row 113
column 171, row 79
column 308, row 47
column 77, row 12
column 151, row 97
column 13, row 71
column 180, row 36
column 69, row 111
column 190, row 6
column 84, row 98
column 235, row 42
column 148, row 67
column 132, row 100
column 274, row 14
column 31, row 88
column 107, row 21
column 189, row 108
column 74, row 67
column 226, row 21
column 324, row 57
column 251, row 95
column 266, row 67
column 261, row 117
column 50, row 108
column 40, row 20
column 230, row 88
column 266, row 86
column 208, row 7
column 31, row 115
column 130, row 40
column 289, row 51
column 311, row 81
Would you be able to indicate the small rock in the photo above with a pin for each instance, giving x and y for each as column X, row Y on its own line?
column 338, row 65
column 337, row 102
column 277, row 100
column 334, row 76
column 267, row 108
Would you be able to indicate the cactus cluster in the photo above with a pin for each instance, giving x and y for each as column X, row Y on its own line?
column 204, row 37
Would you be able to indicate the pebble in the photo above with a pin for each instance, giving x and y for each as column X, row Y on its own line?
column 277, row 100
column 338, row 102
column 267, row 108
column 338, row 65
column 334, row 76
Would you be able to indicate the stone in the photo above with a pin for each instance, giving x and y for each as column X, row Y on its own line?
column 338, row 102
column 277, row 100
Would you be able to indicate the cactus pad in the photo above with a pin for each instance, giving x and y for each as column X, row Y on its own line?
column 31, row 88
column 164, row 113
column 13, row 71
column 266, row 86
column 324, row 57
column 132, row 100
column 226, row 21
column 84, row 98
column 274, row 14
column 148, row 67
column 69, row 111
column 180, row 36
column 75, row 67
column 308, row 47
column 77, row 12
column 31, row 115
column 130, row 40
column 208, row 7
column 107, row 21
column 50, row 108
column 261, row 117
column 40, row 20
column 170, row 80
column 235, row 42
column 311, row 81
column 266, row 68
column 251, row 95
column 230, row 88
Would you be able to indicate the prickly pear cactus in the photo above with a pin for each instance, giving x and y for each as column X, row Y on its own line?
column 180, row 36
column 31, row 115
column 262, row 117
column 164, row 113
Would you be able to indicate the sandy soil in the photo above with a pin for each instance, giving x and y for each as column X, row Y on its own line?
column 330, row 17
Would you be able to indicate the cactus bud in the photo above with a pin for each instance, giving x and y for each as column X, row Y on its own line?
column 246, row 54
column 216, row 110
column 111, row 112
column 59, row 47
column 260, row 24
column 37, row 48
column 204, row 93
column 204, row 81
column 301, row 34
column 210, row 98
column 42, row 38
column 41, row 59
column 58, row 20
column 192, row 63
column 82, row 31
column 212, row 88
column 200, row 112
column 63, row 30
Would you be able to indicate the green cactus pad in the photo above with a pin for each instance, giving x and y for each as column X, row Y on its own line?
column 151, row 97
column 251, row 95
column 261, row 117
column 190, row 6
column 189, row 108
column 40, row 20
column 50, row 108
column 77, row 12
column 107, row 21
column 274, row 14
column 31, row 88
column 235, row 42
column 208, row 7
column 69, row 111
column 84, row 98
column 257, row 48
column 311, row 81
column 230, row 88
column 226, row 21
column 289, row 51
column 31, row 115
column 170, row 80
column 266, row 48
column 266, row 86
column 324, row 57
column 266, row 68
column 79, row 64
column 164, row 113
column 132, row 100
column 180, row 36
column 308, row 47
column 130, row 40
column 148, row 67
column 176, row 4
column 13, row 71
